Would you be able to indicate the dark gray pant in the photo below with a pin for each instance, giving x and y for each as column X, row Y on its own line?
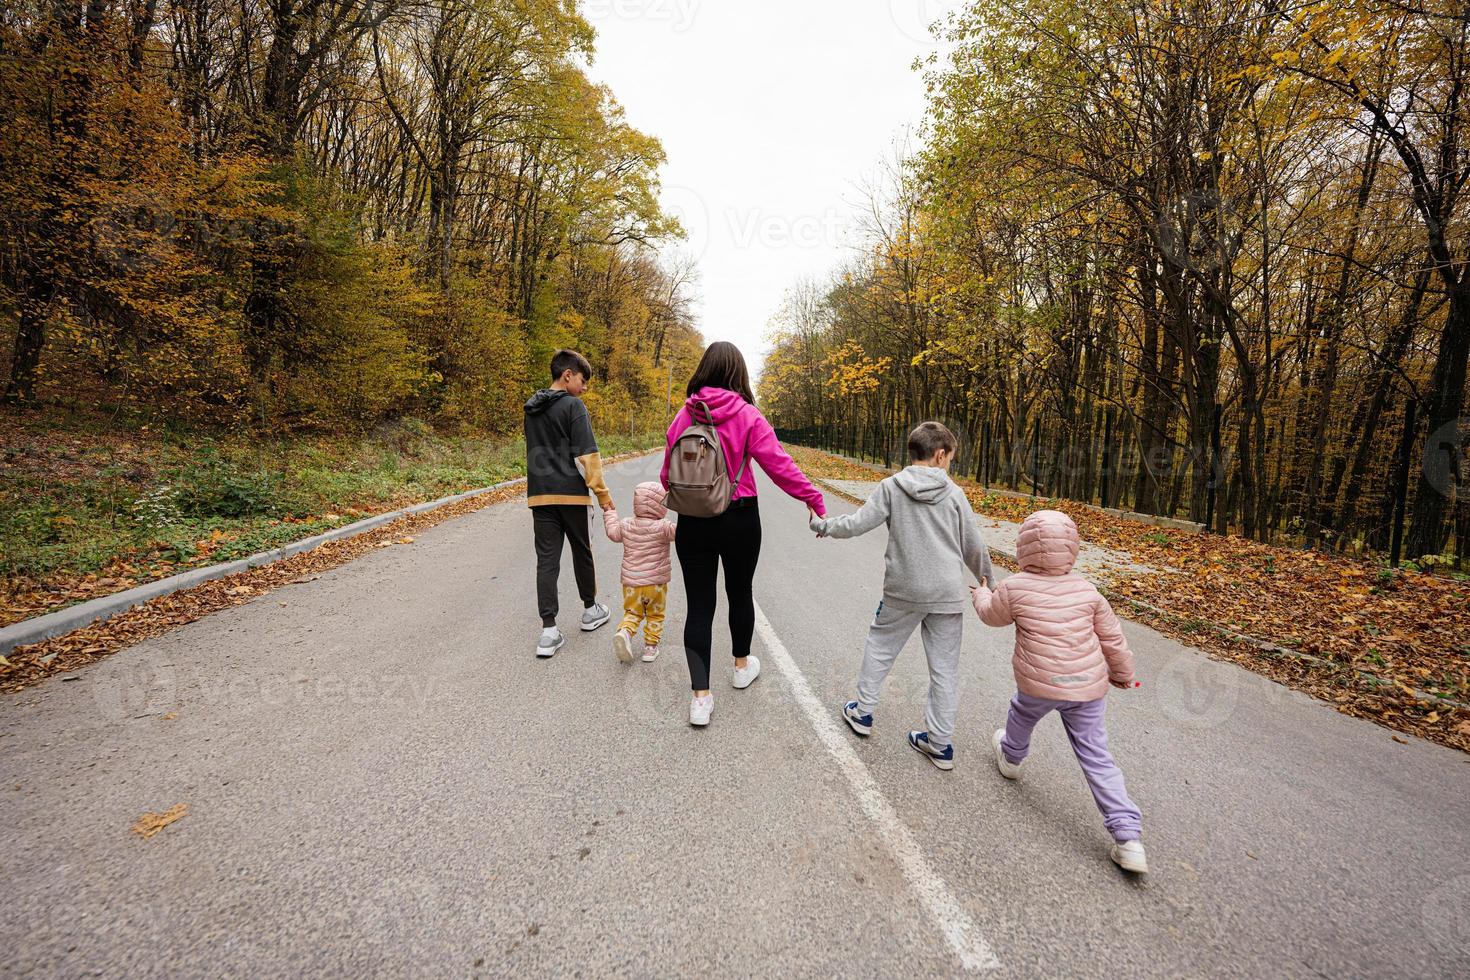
column 552, row 524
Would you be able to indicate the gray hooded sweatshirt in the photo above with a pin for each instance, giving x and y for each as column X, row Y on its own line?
column 932, row 539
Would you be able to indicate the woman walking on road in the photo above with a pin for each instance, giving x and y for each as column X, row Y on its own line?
column 732, row 538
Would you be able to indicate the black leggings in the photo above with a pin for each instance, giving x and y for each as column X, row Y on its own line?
column 703, row 543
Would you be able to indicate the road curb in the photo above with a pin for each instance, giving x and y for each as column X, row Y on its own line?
column 103, row 608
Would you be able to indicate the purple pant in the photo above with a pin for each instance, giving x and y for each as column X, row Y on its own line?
column 1083, row 721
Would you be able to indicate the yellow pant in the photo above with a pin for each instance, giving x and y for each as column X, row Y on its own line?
column 644, row 604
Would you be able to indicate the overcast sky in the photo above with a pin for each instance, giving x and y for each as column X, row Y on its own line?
column 772, row 112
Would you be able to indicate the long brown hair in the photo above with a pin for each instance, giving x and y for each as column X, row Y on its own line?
column 722, row 366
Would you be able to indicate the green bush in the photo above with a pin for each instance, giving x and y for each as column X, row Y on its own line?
column 213, row 486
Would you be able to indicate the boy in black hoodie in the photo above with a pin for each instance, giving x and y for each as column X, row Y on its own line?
column 563, row 467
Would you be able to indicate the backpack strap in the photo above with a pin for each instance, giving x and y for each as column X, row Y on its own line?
column 744, row 461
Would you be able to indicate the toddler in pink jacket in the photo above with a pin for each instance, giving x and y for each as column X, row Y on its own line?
column 1069, row 648
column 646, row 569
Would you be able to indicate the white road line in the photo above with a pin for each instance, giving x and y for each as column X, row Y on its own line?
column 972, row 949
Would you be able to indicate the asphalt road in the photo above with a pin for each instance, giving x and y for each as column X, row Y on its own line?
column 382, row 779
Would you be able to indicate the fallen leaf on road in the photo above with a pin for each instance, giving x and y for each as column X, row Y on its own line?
column 1401, row 741
column 405, row 540
column 242, row 590
column 151, row 823
column 170, row 716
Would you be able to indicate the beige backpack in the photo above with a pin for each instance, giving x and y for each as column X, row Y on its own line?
column 699, row 480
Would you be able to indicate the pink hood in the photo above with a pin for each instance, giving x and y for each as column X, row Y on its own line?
column 1047, row 544
column 645, row 537
column 648, row 501
column 743, row 429
column 1068, row 641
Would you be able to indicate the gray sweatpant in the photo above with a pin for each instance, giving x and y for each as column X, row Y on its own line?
column 941, row 633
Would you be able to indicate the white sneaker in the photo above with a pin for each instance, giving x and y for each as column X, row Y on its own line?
column 745, row 676
column 650, row 653
column 1008, row 769
column 550, row 642
column 700, row 709
column 623, row 646
column 1129, row 855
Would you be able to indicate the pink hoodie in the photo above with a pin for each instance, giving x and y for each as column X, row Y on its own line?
column 645, row 538
column 739, row 421
column 1068, row 642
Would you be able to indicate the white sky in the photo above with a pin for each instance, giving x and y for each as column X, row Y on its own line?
column 771, row 114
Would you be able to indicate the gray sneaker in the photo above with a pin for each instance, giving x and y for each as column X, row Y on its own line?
column 594, row 616
column 550, row 642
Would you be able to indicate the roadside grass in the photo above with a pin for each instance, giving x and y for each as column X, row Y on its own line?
column 91, row 504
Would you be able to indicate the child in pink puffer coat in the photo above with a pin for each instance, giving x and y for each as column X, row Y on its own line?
column 1069, row 648
column 646, row 569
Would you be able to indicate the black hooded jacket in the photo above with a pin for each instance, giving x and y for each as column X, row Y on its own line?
column 563, row 465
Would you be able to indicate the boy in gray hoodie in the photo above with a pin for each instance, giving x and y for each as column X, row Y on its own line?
column 932, row 539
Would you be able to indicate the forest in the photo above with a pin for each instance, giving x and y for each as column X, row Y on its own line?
column 316, row 215
column 1188, row 257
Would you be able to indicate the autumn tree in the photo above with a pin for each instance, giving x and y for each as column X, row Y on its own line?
column 1186, row 256
column 327, row 212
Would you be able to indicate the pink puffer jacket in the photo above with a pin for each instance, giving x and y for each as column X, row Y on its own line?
column 1068, row 642
column 645, row 537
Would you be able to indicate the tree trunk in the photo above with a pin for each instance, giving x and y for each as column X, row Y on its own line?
column 1429, row 529
column 30, row 338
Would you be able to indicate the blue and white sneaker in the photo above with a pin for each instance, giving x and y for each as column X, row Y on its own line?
column 856, row 720
column 941, row 759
